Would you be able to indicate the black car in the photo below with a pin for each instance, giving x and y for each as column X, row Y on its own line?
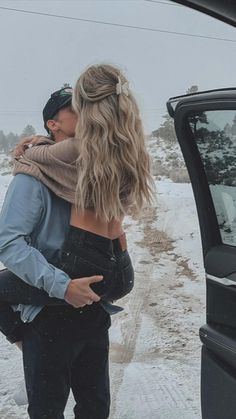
column 205, row 125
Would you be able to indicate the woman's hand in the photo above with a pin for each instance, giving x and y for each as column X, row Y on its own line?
column 26, row 143
column 79, row 293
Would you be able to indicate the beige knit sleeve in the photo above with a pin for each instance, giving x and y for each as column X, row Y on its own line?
column 64, row 151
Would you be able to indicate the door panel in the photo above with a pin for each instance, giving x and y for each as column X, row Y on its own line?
column 221, row 304
column 218, row 387
column 205, row 124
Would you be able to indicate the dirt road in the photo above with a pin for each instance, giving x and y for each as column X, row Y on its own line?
column 155, row 350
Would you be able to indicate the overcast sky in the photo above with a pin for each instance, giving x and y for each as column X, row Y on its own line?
column 40, row 53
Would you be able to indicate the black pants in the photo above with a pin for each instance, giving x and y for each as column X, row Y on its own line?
column 67, row 348
column 56, row 362
column 83, row 254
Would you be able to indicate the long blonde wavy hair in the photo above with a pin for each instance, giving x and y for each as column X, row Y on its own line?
column 113, row 163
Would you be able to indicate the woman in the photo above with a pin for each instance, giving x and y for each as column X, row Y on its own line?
column 107, row 176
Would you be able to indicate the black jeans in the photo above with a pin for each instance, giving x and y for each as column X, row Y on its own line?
column 64, row 347
column 57, row 360
column 83, row 254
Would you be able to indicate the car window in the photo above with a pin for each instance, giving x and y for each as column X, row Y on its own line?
column 215, row 135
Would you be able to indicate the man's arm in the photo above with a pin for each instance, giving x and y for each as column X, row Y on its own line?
column 20, row 214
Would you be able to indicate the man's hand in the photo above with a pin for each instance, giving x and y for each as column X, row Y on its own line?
column 79, row 293
column 25, row 143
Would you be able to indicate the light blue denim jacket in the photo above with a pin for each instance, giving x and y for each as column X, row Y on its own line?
column 33, row 226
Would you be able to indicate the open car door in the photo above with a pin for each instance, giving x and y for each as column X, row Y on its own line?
column 205, row 125
column 224, row 10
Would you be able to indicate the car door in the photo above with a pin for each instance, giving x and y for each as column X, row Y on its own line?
column 205, row 125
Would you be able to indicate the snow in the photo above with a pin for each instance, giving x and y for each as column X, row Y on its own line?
column 155, row 348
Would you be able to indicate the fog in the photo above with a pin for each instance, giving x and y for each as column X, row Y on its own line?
column 39, row 53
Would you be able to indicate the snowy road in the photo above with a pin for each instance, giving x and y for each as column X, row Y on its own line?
column 155, row 346
column 155, row 349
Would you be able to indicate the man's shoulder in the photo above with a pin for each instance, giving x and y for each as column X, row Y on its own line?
column 24, row 192
column 26, row 186
column 23, row 183
column 25, row 180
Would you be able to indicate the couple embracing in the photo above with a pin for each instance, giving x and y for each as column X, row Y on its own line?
column 63, row 244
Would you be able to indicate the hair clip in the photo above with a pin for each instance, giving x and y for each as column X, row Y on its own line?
column 122, row 88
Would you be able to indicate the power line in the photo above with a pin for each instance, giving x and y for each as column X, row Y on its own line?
column 100, row 22
column 18, row 112
column 25, row 112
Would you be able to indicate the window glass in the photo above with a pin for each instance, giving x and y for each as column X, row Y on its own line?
column 215, row 134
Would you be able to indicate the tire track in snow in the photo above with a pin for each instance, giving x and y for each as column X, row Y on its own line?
column 136, row 302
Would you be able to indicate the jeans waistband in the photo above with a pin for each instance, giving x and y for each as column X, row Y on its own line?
column 118, row 245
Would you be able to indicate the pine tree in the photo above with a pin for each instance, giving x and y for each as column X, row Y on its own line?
column 167, row 129
column 192, row 89
column 11, row 140
column 195, row 118
column 2, row 141
column 28, row 131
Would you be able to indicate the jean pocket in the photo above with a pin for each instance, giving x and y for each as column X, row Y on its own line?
column 67, row 262
column 90, row 268
column 128, row 278
column 122, row 283
column 78, row 267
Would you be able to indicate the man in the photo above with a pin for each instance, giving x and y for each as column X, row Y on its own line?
column 62, row 347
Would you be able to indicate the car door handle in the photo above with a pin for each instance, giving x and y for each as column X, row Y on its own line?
column 223, row 281
column 219, row 341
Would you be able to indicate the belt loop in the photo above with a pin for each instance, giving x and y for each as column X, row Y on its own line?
column 112, row 248
column 113, row 256
column 123, row 242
